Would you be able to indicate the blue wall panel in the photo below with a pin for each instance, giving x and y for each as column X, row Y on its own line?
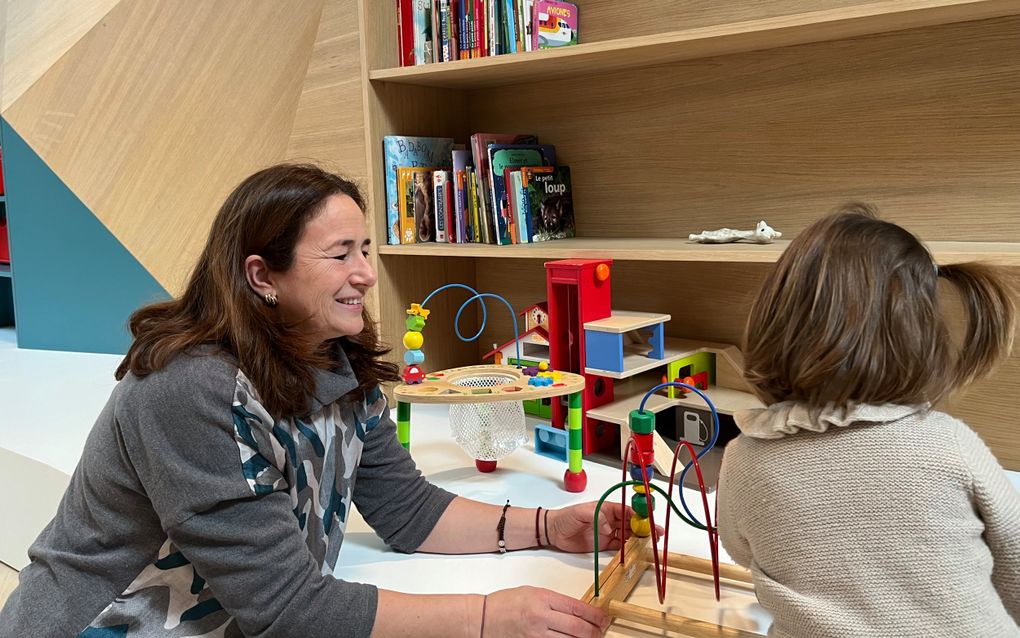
column 75, row 285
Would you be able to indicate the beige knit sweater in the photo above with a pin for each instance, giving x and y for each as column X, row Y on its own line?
column 872, row 521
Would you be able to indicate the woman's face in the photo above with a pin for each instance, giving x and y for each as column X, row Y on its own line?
column 324, row 288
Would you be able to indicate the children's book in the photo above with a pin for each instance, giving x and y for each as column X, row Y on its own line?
column 461, row 160
column 441, row 205
column 555, row 24
column 423, row 34
column 416, row 211
column 424, row 212
column 405, row 33
column 501, row 157
column 552, row 205
column 479, row 150
column 402, row 151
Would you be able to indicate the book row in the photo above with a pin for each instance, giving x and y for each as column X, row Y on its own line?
column 443, row 30
column 507, row 189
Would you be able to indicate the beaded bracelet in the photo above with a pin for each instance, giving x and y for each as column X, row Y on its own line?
column 501, row 526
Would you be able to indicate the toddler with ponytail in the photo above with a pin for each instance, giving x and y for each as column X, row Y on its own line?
column 860, row 508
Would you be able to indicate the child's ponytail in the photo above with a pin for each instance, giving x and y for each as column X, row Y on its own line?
column 991, row 318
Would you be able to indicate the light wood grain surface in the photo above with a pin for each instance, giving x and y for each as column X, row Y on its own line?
column 8, row 581
column 36, row 33
column 152, row 118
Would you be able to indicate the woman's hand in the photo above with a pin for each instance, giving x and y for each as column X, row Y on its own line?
column 570, row 529
column 531, row 611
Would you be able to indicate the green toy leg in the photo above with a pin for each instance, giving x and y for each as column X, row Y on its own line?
column 404, row 424
column 574, row 480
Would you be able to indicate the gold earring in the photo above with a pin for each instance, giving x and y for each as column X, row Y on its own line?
column 271, row 299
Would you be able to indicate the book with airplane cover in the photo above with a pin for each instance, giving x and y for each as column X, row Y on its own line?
column 402, row 151
column 555, row 24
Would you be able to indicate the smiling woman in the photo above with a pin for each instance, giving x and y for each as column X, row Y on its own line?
column 214, row 490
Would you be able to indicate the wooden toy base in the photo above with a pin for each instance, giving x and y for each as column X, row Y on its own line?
column 620, row 581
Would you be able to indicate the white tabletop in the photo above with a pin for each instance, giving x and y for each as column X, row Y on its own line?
column 528, row 480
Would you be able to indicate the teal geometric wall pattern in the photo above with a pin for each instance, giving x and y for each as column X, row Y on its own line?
column 75, row 285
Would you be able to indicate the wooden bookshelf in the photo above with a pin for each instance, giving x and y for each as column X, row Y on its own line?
column 686, row 44
column 660, row 249
column 697, row 116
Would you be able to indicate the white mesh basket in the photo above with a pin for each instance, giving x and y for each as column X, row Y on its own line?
column 488, row 431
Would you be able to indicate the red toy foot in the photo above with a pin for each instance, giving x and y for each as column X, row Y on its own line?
column 575, row 481
column 485, row 466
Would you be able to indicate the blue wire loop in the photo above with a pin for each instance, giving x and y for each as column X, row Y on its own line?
column 479, row 296
column 711, row 444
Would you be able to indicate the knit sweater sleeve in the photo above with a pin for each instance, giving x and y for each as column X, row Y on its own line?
column 998, row 504
column 391, row 493
column 728, row 522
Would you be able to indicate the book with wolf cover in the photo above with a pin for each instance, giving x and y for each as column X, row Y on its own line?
column 551, row 203
column 401, row 151
column 501, row 157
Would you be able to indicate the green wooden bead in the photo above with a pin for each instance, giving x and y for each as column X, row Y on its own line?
column 642, row 422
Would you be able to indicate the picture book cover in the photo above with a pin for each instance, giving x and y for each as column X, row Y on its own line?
column 501, row 157
column 527, row 172
column 555, row 24
column 552, row 205
column 401, row 151
column 424, row 222
column 479, row 150
column 416, row 216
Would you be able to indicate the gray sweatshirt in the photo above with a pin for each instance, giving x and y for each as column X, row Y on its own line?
column 193, row 512
column 872, row 522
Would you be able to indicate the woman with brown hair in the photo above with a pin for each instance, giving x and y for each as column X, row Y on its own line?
column 213, row 492
column 860, row 509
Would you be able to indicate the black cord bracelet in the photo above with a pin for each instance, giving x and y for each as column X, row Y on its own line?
column 500, row 527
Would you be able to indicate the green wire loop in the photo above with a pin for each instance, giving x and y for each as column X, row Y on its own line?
column 623, row 484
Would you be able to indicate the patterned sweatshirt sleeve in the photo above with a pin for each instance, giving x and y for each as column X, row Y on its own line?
column 728, row 522
column 391, row 493
column 195, row 455
column 998, row 504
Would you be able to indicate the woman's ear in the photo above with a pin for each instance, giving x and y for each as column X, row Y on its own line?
column 259, row 276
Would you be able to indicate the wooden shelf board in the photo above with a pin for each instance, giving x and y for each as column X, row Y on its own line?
column 726, row 401
column 701, row 42
column 635, row 362
column 621, row 321
column 660, row 249
column 632, row 248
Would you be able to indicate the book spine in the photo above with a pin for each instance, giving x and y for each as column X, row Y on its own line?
column 439, row 204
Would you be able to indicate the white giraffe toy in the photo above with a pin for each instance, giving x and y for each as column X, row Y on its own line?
column 762, row 234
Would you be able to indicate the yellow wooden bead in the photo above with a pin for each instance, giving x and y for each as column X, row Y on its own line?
column 640, row 526
column 543, row 366
column 640, row 489
column 413, row 340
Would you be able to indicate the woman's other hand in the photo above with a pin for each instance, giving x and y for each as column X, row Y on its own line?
column 532, row 611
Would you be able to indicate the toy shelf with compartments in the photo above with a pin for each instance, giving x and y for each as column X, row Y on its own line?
column 679, row 117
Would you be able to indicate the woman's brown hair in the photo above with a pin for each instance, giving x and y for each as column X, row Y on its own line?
column 263, row 216
column 851, row 313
